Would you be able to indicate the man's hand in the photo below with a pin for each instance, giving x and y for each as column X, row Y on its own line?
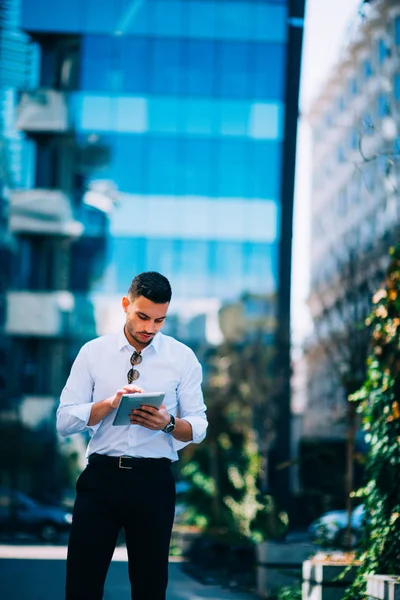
column 150, row 417
column 104, row 407
column 127, row 389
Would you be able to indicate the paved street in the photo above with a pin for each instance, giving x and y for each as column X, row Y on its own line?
column 37, row 573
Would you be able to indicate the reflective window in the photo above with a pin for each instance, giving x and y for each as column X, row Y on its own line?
column 233, row 117
column 133, row 17
column 233, row 20
column 96, row 20
column 269, row 22
column 267, row 71
column 383, row 51
column 129, row 174
column 199, row 117
column 43, row 15
column 107, row 113
column 383, row 106
column 98, row 63
column 367, row 68
column 232, row 66
column 201, row 19
column 264, row 170
column 166, row 67
column 165, row 115
column 198, row 68
column 133, row 57
column 196, row 268
column 163, row 166
column 266, row 121
column 197, row 163
column 264, row 21
column 166, row 17
column 232, row 169
column 397, row 30
column 182, row 67
column 397, row 86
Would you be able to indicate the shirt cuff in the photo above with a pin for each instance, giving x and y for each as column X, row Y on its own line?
column 82, row 412
column 199, row 428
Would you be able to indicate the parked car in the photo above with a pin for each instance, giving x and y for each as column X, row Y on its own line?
column 331, row 528
column 21, row 514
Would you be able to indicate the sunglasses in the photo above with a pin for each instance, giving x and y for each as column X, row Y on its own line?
column 134, row 374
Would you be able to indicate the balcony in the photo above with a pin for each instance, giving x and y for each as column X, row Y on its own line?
column 41, row 211
column 43, row 111
column 50, row 315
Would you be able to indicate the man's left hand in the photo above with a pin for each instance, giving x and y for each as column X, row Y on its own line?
column 150, row 417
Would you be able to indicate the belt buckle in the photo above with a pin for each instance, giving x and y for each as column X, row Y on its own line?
column 120, row 465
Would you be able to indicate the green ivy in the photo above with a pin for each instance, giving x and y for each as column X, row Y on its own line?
column 379, row 404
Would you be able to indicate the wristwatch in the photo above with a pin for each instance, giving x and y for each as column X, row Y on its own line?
column 171, row 425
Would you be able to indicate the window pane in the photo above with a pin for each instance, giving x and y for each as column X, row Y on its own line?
column 98, row 20
column 197, row 161
column 165, row 115
column 166, row 17
column 233, row 117
column 199, row 117
column 201, row 19
column 264, row 170
column 269, row 22
column 233, row 20
column 166, row 66
column 231, row 169
column 233, row 70
column 162, row 166
column 42, row 15
column 198, row 68
column 267, row 70
column 266, row 121
column 98, row 65
column 134, row 60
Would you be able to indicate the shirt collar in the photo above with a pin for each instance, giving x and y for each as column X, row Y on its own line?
column 123, row 342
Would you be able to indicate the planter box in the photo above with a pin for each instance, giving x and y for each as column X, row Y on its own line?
column 383, row 587
column 321, row 577
column 280, row 564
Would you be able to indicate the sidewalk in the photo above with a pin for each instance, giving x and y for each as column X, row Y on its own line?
column 38, row 573
column 183, row 587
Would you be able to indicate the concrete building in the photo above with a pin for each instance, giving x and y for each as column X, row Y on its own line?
column 15, row 68
column 355, row 215
column 57, row 242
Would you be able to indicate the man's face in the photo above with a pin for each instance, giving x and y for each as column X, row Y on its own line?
column 144, row 319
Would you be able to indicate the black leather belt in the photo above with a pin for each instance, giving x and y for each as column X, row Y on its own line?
column 128, row 462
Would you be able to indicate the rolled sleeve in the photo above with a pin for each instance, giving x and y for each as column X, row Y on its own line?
column 76, row 399
column 191, row 402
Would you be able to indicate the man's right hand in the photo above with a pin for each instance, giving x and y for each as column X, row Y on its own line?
column 104, row 407
column 127, row 389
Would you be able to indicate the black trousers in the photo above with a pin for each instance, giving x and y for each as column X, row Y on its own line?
column 141, row 500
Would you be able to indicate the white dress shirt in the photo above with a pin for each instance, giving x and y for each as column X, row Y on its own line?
column 101, row 368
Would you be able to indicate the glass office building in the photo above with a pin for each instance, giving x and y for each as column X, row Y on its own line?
column 175, row 122
column 189, row 98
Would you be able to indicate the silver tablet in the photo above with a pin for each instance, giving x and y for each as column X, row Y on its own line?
column 131, row 401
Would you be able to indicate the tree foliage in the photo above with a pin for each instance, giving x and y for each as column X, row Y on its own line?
column 379, row 404
column 225, row 469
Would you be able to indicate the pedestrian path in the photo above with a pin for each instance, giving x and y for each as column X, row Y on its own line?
column 25, row 572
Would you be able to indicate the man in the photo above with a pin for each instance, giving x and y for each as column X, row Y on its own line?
column 128, row 482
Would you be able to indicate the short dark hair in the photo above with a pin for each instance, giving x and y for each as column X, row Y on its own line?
column 151, row 285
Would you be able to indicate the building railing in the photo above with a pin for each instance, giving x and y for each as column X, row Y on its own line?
column 43, row 111
column 50, row 314
column 41, row 211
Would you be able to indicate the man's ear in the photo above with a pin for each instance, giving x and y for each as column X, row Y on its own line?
column 125, row 303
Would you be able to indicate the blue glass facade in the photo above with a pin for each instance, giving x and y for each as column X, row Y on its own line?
column 189, row 97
